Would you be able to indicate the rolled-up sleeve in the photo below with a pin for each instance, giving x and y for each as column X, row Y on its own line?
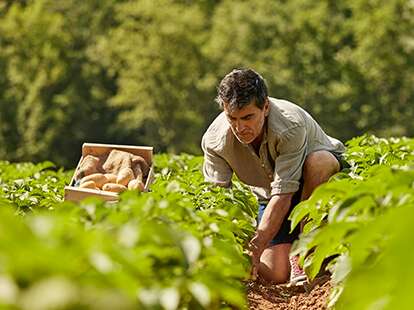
column 215, row 168
column 291, row 150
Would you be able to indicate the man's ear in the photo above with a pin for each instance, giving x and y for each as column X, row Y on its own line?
column 266, row 107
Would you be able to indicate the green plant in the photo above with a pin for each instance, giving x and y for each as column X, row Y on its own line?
column 179, row 246
column 345, row 216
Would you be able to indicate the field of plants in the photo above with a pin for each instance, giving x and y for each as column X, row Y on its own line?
column 181, row 246
column 360, row 224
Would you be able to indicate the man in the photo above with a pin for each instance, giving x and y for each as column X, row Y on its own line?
column 276, row 148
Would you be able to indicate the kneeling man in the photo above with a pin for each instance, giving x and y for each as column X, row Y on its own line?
column 276, row 148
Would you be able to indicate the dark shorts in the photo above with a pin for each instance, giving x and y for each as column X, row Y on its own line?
column 343, row 164
column 283, row 236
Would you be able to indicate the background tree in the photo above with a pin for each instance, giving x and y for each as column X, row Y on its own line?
column 145, row 72
column 53, row 96
column 154, row 52
column 348, row 62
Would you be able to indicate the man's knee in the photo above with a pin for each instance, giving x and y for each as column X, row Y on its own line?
column 275, row 276
column 320, row 164
column 274, row 264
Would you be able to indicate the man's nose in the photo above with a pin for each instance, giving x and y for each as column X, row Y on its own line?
column 239, row 126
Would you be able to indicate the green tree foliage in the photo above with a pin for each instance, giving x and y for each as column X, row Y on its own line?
column 155, row 53
column 375, row 68
column 350, row 63
column 53, row 96
column 32, row 45
column 144, row 72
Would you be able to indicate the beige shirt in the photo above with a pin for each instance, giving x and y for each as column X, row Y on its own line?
column 290, row 135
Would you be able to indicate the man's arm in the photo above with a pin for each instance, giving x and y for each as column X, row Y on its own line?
column 215, row 169
column 288, row 171
column 272, row 219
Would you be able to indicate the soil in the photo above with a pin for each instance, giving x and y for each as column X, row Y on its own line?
column 311, row 296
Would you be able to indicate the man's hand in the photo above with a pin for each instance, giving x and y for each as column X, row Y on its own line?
column 256, row 248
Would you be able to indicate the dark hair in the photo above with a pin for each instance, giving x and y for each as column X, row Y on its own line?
column 241, row 87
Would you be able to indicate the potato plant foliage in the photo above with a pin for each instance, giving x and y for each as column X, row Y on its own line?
column 179, row 246
column 360, row 223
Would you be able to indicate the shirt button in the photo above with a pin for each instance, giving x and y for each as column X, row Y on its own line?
column 270, row 176
column 262, row 165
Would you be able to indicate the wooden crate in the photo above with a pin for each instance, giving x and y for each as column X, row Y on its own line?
column 76, row 194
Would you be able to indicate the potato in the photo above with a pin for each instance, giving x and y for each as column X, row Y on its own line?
column 113, row 187
column 89, row 165
column 99, row 179
column 137, row 172
column 125, row 175
column 110, row 177
column 142, row 163
column 116, row 161
column 136, row 185
column 88, row 184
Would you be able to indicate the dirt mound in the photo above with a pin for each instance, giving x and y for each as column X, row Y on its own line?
column 282, row 297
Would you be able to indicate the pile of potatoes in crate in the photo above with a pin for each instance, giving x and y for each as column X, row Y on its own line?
column 113, row 172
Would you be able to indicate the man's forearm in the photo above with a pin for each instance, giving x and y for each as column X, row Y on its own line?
column 273, row 217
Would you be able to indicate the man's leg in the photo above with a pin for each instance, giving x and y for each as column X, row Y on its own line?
column 274, row 263
column 318, row 168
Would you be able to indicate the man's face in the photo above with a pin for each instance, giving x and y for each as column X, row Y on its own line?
column 247, row 122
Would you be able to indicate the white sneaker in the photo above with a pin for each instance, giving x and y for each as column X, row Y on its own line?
column 297, row 275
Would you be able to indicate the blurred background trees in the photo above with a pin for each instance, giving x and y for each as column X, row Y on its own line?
column 145, row 72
